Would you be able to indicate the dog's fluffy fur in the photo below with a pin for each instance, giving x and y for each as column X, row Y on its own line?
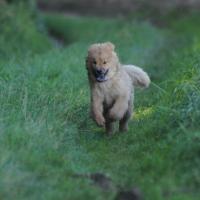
column 111, row 91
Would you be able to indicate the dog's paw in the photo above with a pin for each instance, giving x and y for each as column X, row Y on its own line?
column 100, row 121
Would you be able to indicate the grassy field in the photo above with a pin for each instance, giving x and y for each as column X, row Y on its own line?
column 50, row 146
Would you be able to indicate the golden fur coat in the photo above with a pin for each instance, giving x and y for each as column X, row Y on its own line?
column 112, row 86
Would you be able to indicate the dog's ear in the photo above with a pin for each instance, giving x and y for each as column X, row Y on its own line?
column 110, row 45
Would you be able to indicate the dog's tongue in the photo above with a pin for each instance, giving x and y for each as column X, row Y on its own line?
column 101, row 79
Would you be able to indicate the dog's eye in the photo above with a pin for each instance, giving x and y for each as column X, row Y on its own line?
column 94, row 62
column 104, row 62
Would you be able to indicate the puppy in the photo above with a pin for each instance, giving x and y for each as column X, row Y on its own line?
column 112, row 86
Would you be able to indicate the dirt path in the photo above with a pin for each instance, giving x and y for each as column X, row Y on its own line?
column 116, row 7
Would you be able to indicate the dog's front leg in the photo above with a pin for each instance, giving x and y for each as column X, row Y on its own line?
column 119, row 108
column 97, row 110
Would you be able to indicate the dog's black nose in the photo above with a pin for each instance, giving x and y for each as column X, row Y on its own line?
column 100, row 71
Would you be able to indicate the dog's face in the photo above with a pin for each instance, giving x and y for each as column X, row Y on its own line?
column 102, row 61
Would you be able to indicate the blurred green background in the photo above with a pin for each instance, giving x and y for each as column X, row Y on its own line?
column 49, row 146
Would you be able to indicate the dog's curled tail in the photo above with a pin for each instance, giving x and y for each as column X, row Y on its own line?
column 139, row 77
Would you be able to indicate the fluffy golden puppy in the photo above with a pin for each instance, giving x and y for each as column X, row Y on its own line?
column 112, row 86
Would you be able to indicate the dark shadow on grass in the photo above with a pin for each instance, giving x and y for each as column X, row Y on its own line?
column 105, row 183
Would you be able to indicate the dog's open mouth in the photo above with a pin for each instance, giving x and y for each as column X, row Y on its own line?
column 101, row 79
column 100, row 75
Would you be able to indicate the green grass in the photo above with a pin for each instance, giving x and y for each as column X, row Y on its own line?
column 46, row 134
column 22, row 32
